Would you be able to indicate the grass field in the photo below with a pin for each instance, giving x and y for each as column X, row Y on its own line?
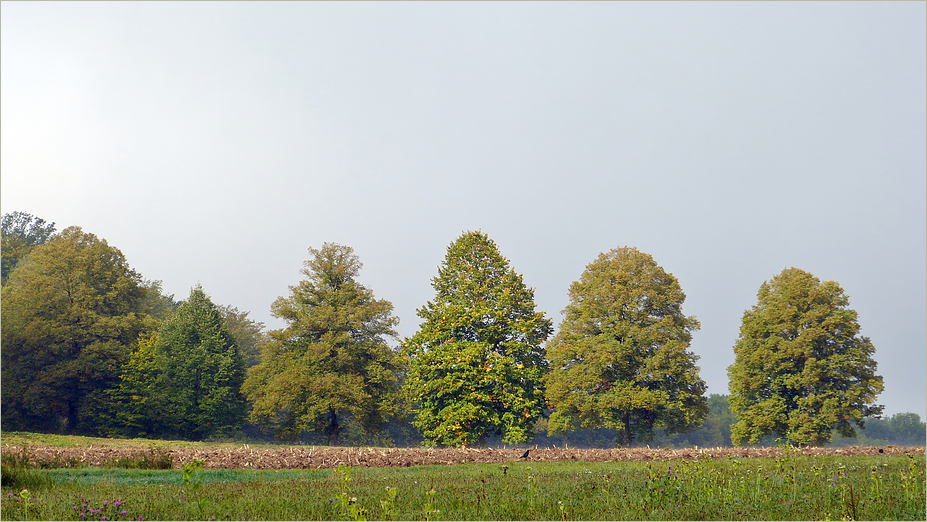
column 830, row 487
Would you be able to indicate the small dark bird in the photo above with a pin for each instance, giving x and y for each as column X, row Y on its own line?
column 525, row 454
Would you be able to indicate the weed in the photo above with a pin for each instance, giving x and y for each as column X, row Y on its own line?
column 154, row 458
column 388, row 504
column 429, row 504
column 349, row 505
column 17, row 472
column 192, row 482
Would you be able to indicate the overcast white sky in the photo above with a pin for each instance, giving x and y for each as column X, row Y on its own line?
column 215, row 142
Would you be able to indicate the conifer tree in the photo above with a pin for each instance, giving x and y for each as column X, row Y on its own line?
column 477, row 361
column 620, row 359
column 331, row 364
column 186, row 380
column 801, row 369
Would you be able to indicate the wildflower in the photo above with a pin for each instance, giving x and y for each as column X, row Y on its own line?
column 117, row 503
column 123, row 512
column 103, row 517
column 106, row 502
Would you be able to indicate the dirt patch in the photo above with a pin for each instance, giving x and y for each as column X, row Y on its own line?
column 306, row 457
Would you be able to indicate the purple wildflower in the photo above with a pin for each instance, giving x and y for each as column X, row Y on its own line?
column 106, row 502
column 123, row 512
column 117, row 503
column 103, row 517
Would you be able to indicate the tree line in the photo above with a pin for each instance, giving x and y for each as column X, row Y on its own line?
column 91, row 347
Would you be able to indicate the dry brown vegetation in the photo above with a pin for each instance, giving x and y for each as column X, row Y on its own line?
column 232, row 456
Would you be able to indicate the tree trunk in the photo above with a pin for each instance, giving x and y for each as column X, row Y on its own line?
column 333, row 429
column 627, row 429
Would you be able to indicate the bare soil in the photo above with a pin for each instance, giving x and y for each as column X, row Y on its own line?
column 230, row 456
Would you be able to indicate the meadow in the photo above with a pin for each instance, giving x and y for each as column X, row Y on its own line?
column 790, row 486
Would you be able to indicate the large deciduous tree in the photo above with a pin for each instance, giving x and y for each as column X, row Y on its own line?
column 620, row 359
column 248, row 333
column 20, row 232
column 186, row 380
column 477, row 361
column 331, row 364
column 72, row 311
column 801, row 369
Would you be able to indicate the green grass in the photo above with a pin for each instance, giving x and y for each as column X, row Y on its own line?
column 803, row 488
column 21, row 438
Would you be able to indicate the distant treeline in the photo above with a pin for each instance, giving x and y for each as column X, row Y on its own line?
column 91, row 347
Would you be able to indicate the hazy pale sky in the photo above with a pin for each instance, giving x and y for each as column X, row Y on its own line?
column 215, row 142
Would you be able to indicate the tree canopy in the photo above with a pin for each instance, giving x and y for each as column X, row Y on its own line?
column 477, row 361
column 331, row 364
column 248, row 333
column 186, row 380
column 20, row 233
column 72, row 310
column 801, row 369
column 620, row 359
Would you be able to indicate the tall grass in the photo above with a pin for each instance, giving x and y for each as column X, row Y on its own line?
column 819, row 488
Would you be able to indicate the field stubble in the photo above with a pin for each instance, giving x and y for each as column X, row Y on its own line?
column 244, row 456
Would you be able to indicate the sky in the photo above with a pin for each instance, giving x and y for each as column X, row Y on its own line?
column 213, row 143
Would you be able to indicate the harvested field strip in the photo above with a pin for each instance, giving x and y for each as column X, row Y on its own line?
column 302, row 457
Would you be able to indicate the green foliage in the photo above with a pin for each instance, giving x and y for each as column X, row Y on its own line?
column 16, row 471
column 901, row 429
column 249, row 334
column 20, row 233
column 186, row 380
column 72, row 310
column 620, row 359
column 331, row 363
column 801, row 368
column 477, row 361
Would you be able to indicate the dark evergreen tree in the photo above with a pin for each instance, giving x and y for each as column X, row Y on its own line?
column 186, row 380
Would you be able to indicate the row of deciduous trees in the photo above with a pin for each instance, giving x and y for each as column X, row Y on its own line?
column 90, row 347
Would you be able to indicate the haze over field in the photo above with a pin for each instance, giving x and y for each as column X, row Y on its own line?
column 214, row 143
